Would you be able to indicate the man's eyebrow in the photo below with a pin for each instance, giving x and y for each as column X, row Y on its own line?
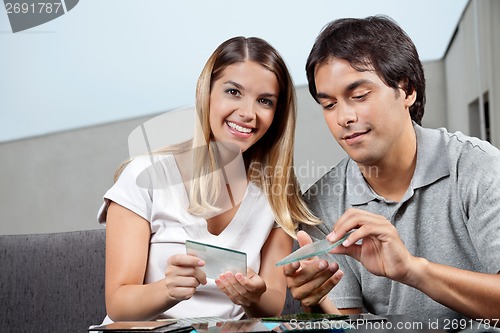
column 356, row 84
column 348, row 89
column 322, row 95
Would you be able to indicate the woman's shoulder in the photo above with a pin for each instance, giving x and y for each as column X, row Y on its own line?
column 144, row 166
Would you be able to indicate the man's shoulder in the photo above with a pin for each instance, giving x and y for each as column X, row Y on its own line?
column 457, row 143
column 462, row 154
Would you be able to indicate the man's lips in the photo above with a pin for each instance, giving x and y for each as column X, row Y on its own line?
column 353, row 135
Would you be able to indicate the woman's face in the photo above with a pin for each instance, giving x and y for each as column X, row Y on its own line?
column 242, row 104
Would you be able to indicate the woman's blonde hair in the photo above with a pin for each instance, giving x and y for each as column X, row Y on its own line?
column 269, row 161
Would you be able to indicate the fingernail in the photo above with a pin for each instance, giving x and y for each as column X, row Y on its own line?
column 331, row 236
column 345, row 243
column 201, row 263
column 322, row 265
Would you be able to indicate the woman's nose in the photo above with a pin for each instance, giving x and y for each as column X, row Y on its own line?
column 246, row 111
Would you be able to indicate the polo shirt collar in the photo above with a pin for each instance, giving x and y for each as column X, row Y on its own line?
column 432, row 164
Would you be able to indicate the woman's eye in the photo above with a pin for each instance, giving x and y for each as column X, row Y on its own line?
column 233, row 92
column 266, row 101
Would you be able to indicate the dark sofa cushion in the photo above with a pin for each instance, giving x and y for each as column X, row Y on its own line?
column 52, row 282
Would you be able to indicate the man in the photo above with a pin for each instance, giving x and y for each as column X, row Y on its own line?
column 423, row 204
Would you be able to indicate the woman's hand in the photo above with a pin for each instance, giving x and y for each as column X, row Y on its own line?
column 242, row 290
column 183, row 275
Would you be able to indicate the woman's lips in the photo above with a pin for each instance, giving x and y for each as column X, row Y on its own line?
column 239, row 130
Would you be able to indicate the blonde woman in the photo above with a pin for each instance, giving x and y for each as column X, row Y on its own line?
column 246, row 104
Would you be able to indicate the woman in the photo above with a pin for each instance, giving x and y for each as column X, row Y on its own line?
column 246, row 103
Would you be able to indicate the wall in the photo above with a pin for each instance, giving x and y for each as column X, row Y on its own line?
column 55, row 182
column 435, row 93
column 465, row 76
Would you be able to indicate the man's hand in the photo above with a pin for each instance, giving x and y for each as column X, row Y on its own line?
column 381, row 252
column 311, row 280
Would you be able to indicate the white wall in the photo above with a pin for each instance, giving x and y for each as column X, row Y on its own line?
column 435, row 91
column 464, row 78
column 55, row 182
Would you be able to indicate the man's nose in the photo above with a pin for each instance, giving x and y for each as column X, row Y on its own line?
column 346, row 115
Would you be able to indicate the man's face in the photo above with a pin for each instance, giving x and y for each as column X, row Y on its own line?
column 369, row 119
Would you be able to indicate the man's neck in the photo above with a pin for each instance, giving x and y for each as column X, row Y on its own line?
column 391, row 177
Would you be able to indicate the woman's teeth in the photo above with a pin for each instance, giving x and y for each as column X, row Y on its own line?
column 238, row 127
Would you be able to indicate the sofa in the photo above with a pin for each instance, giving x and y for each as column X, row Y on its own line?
column 52, row 282
column 55, row 282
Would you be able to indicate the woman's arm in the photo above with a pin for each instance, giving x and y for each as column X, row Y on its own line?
column 277, row 246
column 261, row 295
column 127, row 249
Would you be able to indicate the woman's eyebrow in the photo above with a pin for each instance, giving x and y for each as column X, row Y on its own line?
column 269, row 95
column 235, row 84
column 239, row 86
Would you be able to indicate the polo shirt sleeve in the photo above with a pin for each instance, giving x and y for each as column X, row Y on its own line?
column 479, row 185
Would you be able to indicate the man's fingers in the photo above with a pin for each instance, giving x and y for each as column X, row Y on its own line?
column 311, row 299
column 290, row 269
column 303, row 238
column 311, row 278
column 309, row 270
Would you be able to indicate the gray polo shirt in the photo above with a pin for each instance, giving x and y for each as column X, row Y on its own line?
column 450, row 215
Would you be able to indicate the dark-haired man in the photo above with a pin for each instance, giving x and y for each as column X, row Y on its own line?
column 424, row 204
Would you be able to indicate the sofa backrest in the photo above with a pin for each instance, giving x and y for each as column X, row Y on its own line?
column 52, row 282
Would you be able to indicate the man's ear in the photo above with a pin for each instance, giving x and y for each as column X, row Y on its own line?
column 410, row 98
column 410, row 92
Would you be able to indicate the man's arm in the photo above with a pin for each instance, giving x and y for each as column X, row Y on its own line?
column 476, row 295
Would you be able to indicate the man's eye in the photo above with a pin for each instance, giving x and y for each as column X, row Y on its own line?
column 360, row 97
column 329, row 106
